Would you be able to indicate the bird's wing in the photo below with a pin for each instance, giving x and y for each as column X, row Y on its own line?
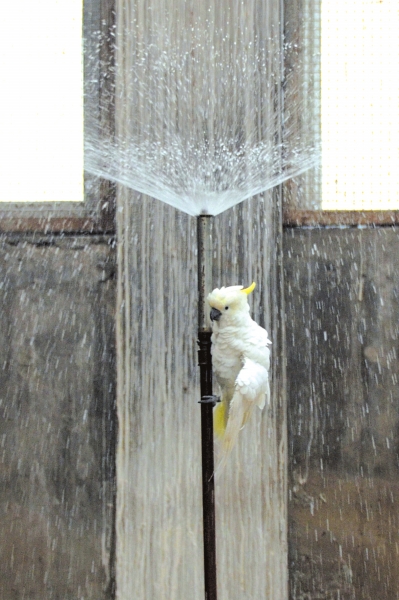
column 253, row 383
column 251, row 388
column 263, row 336
column 256, row 348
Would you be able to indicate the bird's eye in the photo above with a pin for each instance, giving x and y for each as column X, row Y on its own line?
column 226, row 308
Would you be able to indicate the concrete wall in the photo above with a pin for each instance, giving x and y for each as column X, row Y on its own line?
column 57, row 428
column 342, row 306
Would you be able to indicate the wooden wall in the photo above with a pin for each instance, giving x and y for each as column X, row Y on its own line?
column 342, row 307
column 57, row 427
column 159, row 511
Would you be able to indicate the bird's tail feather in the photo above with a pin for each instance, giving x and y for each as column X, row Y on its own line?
column 239, row 412
column 247, row 413
column 220, row 419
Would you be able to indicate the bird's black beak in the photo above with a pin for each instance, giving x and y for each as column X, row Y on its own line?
column 215, row 314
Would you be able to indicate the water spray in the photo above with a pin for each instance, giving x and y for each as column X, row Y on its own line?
column 199, row 126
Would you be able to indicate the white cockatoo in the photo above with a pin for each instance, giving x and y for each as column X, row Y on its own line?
column 241, row 362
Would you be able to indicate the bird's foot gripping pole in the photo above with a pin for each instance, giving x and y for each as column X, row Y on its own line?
column 209, row 400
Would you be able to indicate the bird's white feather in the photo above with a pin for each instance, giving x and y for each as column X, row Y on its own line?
column 241, row 361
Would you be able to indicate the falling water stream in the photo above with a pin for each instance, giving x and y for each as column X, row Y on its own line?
column 159, row 516
column 200, row 126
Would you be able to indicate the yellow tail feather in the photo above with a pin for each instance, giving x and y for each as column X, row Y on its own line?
column 219, row 419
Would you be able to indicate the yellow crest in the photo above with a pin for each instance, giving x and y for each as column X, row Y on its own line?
column 249, row 289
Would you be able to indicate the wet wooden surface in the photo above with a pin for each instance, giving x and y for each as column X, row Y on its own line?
column 57, row 384
column 342, row 307
column 159, row 511
column 57, row 428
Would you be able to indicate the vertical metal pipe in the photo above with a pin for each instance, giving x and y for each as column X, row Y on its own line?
column 207, row 402
column 204, row 234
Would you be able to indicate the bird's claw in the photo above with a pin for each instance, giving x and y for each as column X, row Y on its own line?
column 209, row 400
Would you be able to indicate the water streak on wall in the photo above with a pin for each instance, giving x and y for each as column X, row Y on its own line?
column 187, row 118
column 159, row 529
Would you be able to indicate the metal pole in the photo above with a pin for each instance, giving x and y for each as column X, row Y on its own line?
column 207, row 403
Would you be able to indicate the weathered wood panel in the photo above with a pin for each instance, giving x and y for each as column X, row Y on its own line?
column 342, row 307
column 159, row 524
column 57, row 428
